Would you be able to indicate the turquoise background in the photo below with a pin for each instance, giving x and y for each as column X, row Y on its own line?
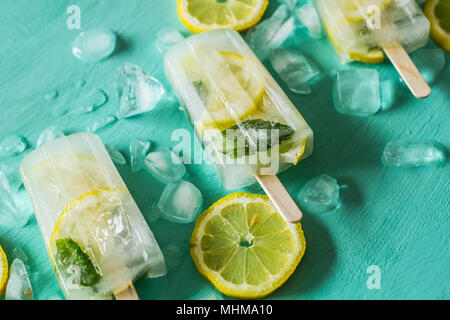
column 397, row 219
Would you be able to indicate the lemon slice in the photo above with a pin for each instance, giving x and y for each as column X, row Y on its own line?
column 357, row 10
column 92, row 221
column 205, row 15
column 230, row 88
column 359, row 53
column 3, row 271
column 244, row 247
column 438, row 12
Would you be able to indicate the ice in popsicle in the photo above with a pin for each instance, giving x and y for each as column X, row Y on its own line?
column 247, row 124
column 97, row 238
column 359, row 29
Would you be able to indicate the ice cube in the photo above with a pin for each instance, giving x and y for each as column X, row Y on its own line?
column 90, row 100
column 320, row 194
column 138, row 151
column 165, row 166
column 13, row 213
column 405, row 154
column 430, row 62
column 12, row 145
column 94, row 45
column 10, row 169
column 116, row 156
column 294, row 69
column 180, row 202
column 19, row 286
column 388, row 90
column 101, row 123
column 271, row 32
column 138, row 92
column 356, row 92
column 18, row 253
column 309, row 17
column 166, row 38
column 207, row 293
column 49, row 134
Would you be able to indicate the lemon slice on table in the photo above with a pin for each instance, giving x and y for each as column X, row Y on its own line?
column 244, row 247
column 3, row 271
column 205, row 15
column 235, row 84
column 438, row 12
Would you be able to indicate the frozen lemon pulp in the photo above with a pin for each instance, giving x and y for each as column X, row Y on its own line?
column 227, row 84
column 3, row 271
column 70, row 174
column 204, row 15
column 357, row 10
column 244, row 247
column 438, row 12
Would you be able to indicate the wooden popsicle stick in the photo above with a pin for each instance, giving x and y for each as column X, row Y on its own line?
column 407, row 69
column 127, row 293
column 280, row 197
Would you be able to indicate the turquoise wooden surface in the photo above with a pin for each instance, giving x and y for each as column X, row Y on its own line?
column 397, row 219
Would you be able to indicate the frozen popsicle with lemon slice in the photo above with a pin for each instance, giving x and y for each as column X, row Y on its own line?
column 366, row 30
column 97, row 239
column 249, row 128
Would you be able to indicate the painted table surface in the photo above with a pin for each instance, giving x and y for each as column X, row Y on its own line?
column 397, row 219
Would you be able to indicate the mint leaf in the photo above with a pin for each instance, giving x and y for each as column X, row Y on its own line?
column 69, row 254
column 254, row 129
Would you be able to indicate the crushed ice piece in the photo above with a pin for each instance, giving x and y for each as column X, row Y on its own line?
column 180, row 202
column 10, row 168
column 51, row 95
column 18, row 253
column 207, row 293
column 166, row 38
column 406, row 154
column 320, row 194
column 116, row 156
column 271, row 32
column 90, row 101
column 138, row 91
column 294, row 69
column 14, row 211
column 138, row 151
column 19, row 285
column 165, row 166
column 154, row 212
column 12, row 145
column 173, row 254
column 388, row 89
column 101, row 123
column 55, row 297
column 356, row 92
column 49, row 134
column 430, row 62
column 94, row 45
column 309, row 17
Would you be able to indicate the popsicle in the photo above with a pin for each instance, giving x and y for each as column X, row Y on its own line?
column 96, row 237
column 365, row 30
column 249, row 128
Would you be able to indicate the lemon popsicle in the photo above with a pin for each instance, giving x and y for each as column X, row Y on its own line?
column 246, row 123
column 359, row 29
column 96, row 236
column 366, row 30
